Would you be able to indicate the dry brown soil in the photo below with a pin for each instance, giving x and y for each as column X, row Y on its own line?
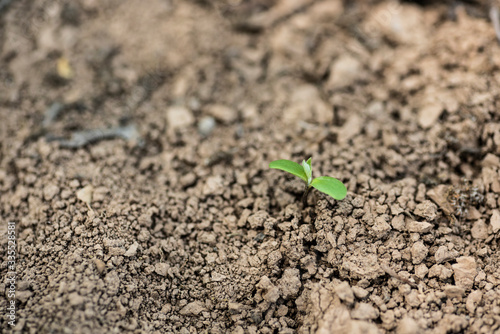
column 177, row 225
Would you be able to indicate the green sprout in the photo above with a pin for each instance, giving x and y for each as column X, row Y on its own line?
column 326, row 184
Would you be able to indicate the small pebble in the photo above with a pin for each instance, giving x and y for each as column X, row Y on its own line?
column 206, row 125
column 50, row 191
column 132, row 250
column 418, row 252
column 465, row 271
column 364, row 311
column 100, row 265
column 345, row 293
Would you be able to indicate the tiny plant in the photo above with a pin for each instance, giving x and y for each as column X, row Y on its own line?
column 325, row 184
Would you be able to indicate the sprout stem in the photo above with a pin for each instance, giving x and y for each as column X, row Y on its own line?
column 304, row 196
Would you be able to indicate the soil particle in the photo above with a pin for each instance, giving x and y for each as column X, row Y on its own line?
column 112, row 281
column 325, row 314
column 381, row 228
column 427, row 210
column 442, row 254
column 364, row 311
column 100, row 265
column 418, row 227
column 473, row 300
column 50, row 191
column 408, row 326
column 193, row 308
column 419, row 252
column 222, row 113
column 206, row 125
column 179, row 117
column 495, row 221
column 465, row 271
column 359, row 292
column 272, row 294
column 345, row 293
column 290, row 283
column 479, row 230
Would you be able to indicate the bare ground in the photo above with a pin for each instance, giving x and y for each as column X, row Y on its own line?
column 135, row 139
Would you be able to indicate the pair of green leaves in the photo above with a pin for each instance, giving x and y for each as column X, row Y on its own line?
column 326, row 184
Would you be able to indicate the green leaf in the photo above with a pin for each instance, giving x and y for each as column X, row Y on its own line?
column 290, row 167
column 308, row 170
column 330, row 186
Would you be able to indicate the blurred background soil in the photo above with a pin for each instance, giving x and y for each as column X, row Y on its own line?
column 135, row 139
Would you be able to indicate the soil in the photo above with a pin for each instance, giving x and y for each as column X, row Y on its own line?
column 134, row 149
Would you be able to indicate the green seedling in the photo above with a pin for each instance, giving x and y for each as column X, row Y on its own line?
column 326, row 184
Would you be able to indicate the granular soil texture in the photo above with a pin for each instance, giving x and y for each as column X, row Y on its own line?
column 134, row 149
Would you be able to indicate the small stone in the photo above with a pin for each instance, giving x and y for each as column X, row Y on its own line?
column 187, row 180
column 495, row 221
column 380, row 228
column 429, row 114
column 214, row 185
column 345, row 293
column 132, row 250
column 453, row 291
column 491, row 160
column 398, row 223
column 235, row 308
column 344, row 72
column 307, row 105
column 419, row 227
column 427, row 210
column 50, row 191
column 408, row 326
column 413, row 298
column 438, row 270
column 421, row 270
column 418, row 252
column 23, row 296
column 270, row 292
column 265, row 283
column 206, row 125
column 257, row 219
column 351, row 128
column 479, row 230
column 179, row 117
column 473, row 300
column 359, row 292
column 364, row 311
column 272, row 295
column 465, row 271
column 281, row 311
column 217, row 277
column 238, row 330
column 75, row 299
column 85, row 194
column 112, row 281
column 207, row 238
column 290, row 283
column 116, row 251
column 442, row 254
column 193, row 309
column 161, row 269
column 473, row 214
column 222, row 113
column 440, row 197
column 74, row 183
column 445, row 273
column 100, row 265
